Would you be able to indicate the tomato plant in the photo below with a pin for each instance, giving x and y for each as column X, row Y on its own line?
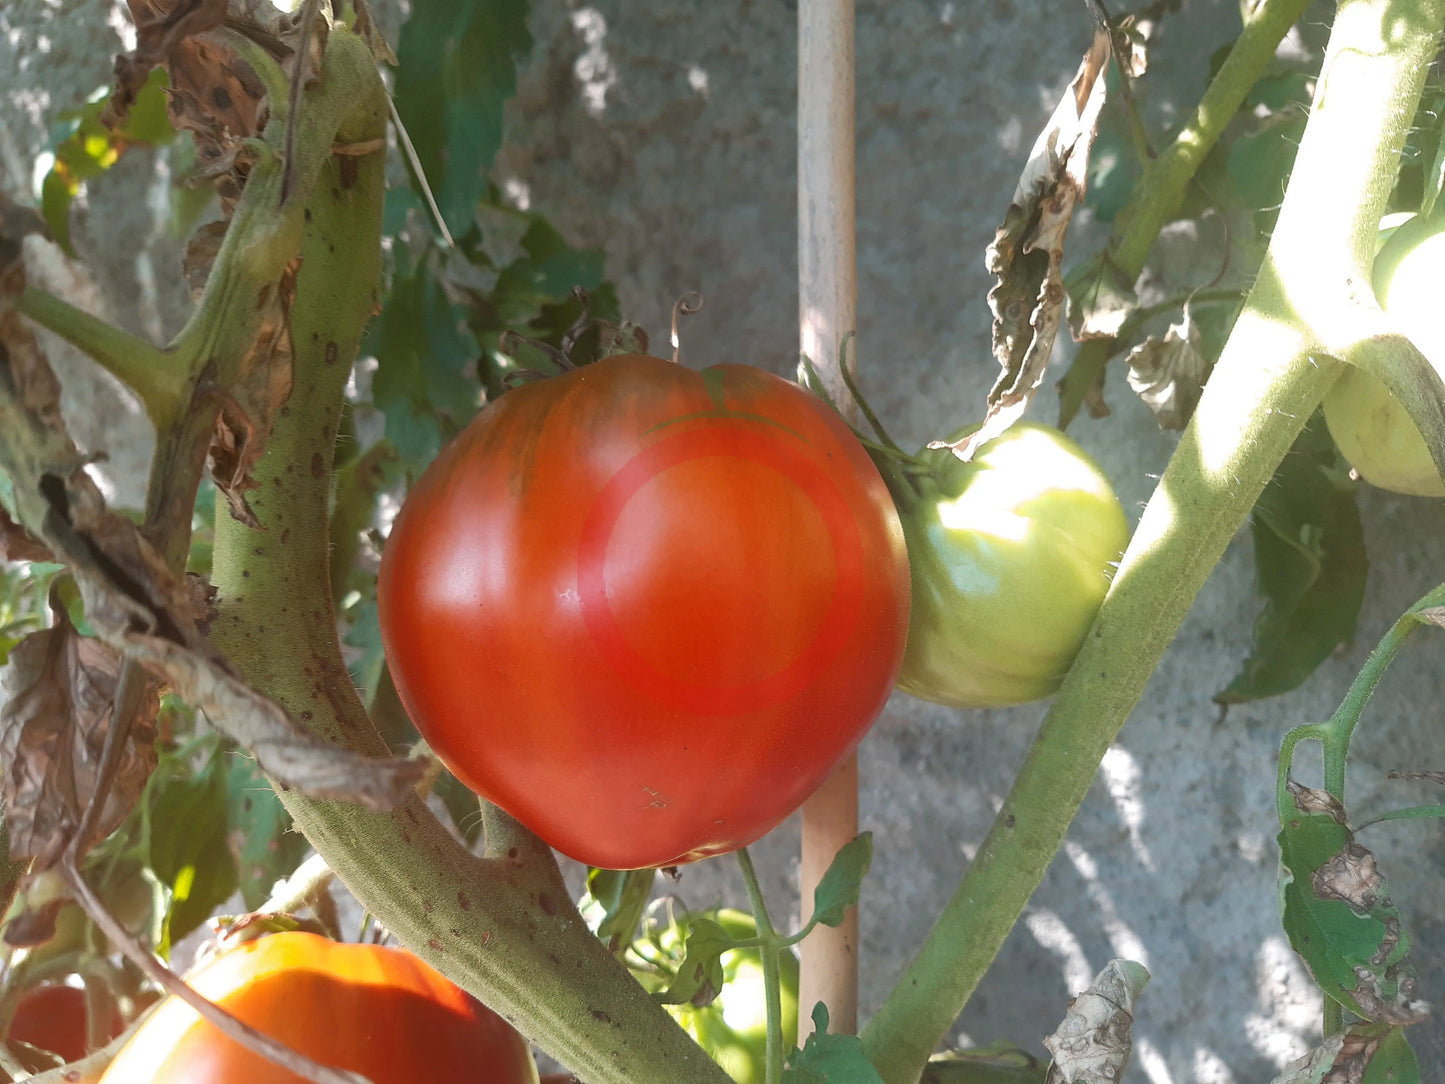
column 1368, row 423
column 367, row 1008
column 732, row 1027
column 616, row 580
column 53, row 1017
column 1011, row 554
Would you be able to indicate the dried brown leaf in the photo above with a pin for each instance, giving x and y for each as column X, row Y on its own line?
column 366, row 29
column 18, row 544
column 1432, row 615
column 22, row 362
column 1093, row 1043
column 1424, row 777
column 1169, row 373
column 1341, row 1059
column 61, row 693
column 263, row 386
column 1028, row 249
column 141, row 608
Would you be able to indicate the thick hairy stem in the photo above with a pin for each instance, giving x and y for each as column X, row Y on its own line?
column 1160, row 191
column 502, row 925
column 1271, row 376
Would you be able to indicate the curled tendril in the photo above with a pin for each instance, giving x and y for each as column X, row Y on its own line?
column 686, row 305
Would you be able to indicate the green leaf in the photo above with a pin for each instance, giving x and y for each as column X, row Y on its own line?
column 85, row 148
column 838, row 889
column 1260, row 162
column 1337, row 913
column 1101, row 298
column 423, row 352
column 623, row 895
column 1394, row 1061
column 458, row 66
column 829, row 1059
column 183, row 838
column 700, row 975
column 266, row 846
column 1310, row 565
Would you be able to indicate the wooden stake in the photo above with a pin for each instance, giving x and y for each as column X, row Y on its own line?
column 827, row 310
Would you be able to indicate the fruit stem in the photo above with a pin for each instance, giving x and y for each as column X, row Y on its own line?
column 1304, row 307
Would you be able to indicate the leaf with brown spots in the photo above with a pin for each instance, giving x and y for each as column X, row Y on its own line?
column 1337, row 913
column 1027, row 252
column 1361, row 1054
column 1093, row 1044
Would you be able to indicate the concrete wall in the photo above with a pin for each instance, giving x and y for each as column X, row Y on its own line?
column 663, row 132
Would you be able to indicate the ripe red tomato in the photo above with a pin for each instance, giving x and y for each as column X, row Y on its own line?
column 53, row 1018
column 644, row 609
column 372, row 1010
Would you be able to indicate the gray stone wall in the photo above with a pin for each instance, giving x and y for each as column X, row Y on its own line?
column 663, row 132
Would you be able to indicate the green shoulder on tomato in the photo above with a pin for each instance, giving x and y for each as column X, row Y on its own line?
column 1011, row 555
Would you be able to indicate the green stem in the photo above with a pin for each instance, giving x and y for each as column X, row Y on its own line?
column 150, row 372
column 1303, row 313
column 1159, row 193
column 1161, row 190
column 502, row 926
column 768, row 949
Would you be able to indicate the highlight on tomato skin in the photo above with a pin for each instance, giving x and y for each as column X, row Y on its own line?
column 365, row 1008
column 644, row 609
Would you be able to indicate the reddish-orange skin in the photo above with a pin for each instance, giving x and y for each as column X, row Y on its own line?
column 53, row 1018
column 644, row 609
column 372, row 1010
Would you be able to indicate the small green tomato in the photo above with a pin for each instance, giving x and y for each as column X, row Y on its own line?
column 1011, row 555
column 1372, row 429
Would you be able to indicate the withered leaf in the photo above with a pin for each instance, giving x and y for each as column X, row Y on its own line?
column 1346, row 1056
column 1169, row 373
column 32, row 382
column 1426, row 777
column 18, row 544
column 1028, row 249
column 263, row 385
column 144, row 610
column 60, row 698
column 1093, row 1043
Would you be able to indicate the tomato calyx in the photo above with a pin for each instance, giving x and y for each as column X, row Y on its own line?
column 587, row 340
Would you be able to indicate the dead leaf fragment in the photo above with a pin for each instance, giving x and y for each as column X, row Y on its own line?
column 263, row 385
column 1093, row 1043
column 61, row 690
column 1169, row 373
column 1028, row 249
column 1424, row 777
column 18, row 544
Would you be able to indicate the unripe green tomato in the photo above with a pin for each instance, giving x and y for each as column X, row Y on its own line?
column 1372, row 429
column 1011, row 555
column 733, row 1028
